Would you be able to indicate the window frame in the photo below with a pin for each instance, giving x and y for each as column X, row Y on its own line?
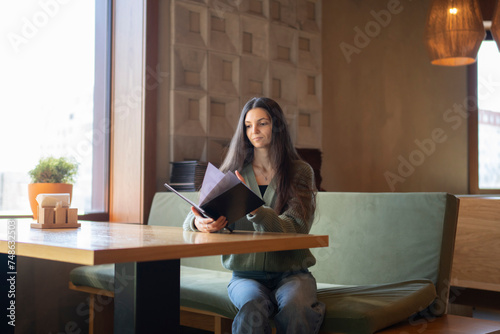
column 473, row 130
column 102, row 109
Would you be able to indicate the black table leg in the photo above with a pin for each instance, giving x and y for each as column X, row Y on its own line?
column 147, row 297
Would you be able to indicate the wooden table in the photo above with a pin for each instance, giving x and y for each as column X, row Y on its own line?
column 147, row 261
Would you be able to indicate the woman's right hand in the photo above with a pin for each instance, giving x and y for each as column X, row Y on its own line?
column 208, row 225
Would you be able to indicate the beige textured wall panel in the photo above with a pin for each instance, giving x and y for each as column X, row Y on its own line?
column 283, row 12
column 189, row 148
column 309, row 90
column 255, row 35
column 226, row 52
column 308, row 123
column 291, row 115
column 190, row 69
column 309, row 15
column 191, row 22
column 224, row 32
column 224, row 113
column 217, row 150
column 223, row 74
column 254, row 76
column 309, row 51
column 283, row 44
column 193, row 121
column 283, row 79
column 258, row 8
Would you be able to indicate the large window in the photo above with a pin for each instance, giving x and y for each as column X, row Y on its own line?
column 54, row 89
column 488, row 93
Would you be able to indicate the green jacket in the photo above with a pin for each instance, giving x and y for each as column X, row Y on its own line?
column 267, row 220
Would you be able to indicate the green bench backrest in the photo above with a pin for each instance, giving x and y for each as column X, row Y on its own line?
column 382, row 237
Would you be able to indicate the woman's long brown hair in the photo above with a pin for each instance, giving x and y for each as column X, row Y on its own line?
column 281, row 152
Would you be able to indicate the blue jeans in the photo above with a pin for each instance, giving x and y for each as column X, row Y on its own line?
column 290, row 297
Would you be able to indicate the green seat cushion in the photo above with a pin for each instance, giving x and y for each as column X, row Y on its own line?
column 99, row 277
column 366, row 309
column 206, row 290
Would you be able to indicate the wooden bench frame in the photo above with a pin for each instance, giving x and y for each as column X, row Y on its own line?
column 189, row 317
column 477, row 252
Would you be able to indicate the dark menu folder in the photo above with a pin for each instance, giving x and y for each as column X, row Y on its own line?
column 224, row 195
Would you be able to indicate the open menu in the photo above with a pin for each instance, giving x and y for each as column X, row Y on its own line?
column 224, row 195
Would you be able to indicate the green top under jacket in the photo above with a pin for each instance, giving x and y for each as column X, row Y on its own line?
column 267, row 220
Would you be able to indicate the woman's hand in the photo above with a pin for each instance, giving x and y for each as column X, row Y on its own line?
column 208, row 225
column 238, row 175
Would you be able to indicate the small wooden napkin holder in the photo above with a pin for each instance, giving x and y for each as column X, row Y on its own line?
column 58, row 216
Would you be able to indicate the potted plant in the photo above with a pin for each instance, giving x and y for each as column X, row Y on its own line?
column 51, row 176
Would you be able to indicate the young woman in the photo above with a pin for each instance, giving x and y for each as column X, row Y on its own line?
column 274, row 284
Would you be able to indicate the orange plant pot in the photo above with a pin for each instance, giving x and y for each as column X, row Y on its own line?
column 46, row 188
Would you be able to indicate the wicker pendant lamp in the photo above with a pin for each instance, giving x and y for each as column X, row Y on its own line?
column 495, row 25
column 454, row 32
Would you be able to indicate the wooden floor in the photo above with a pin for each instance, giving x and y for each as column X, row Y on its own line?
column 447, row 324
